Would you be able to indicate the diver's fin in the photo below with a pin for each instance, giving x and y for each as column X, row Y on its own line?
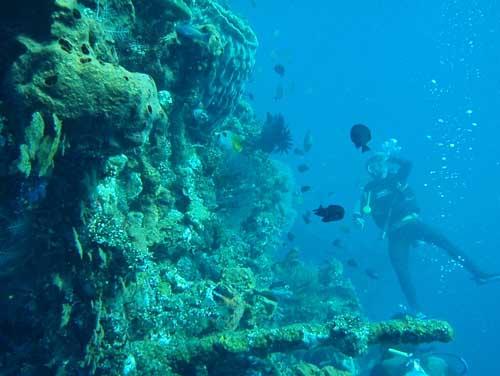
column 487, row 278
column 364, row 148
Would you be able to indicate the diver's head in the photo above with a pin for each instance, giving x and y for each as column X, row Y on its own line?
column 377, row 166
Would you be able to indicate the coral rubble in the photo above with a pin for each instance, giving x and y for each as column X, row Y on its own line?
column 135, row 240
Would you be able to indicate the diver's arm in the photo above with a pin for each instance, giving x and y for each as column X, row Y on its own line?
column 405, row 167
column 358, row 214
column 360, row 203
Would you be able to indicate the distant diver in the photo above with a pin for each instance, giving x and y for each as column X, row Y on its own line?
column 392, row 204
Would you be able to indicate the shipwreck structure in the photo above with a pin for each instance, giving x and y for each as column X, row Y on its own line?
column 134, row 239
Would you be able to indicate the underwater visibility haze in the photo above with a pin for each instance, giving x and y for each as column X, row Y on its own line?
column 249, row 187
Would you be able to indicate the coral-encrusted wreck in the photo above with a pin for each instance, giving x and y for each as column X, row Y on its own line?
column 134, row 240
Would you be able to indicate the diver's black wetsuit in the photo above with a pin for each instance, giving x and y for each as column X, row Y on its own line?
column 395, row 212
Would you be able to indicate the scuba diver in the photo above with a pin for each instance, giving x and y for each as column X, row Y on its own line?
column 399, row 363
column 392, row 204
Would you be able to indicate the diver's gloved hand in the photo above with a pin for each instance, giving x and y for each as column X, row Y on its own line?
column 420, row 316
column 411, row 312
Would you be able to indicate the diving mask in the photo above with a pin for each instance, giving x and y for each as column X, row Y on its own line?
column 378, row 165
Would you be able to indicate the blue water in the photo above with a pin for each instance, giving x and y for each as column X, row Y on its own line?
column 427, row 74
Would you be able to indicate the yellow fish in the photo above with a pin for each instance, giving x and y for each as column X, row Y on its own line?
column 230, row 141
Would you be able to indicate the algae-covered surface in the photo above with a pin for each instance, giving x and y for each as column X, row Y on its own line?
column 141, row 214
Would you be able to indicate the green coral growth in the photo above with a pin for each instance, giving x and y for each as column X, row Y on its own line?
column 41, row 143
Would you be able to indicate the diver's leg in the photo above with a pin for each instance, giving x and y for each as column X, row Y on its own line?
column 399, row 253
column 435, row 237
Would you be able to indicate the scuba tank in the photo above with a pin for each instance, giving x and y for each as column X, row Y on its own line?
column 415, row 369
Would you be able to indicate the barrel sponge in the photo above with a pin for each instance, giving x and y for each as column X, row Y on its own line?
column 58, row 78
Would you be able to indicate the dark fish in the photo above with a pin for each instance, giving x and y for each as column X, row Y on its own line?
column 331, row 213
column 306, row 217
column 337, row 243
column 372, row 274
column 352, row 263
column 279, row 69
column 290, row 236
column 308, row 142
column 303, row 168
column 279, row 93
column 298, row 151
column 360, row 136
column 305, row 188
column 250, row 96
